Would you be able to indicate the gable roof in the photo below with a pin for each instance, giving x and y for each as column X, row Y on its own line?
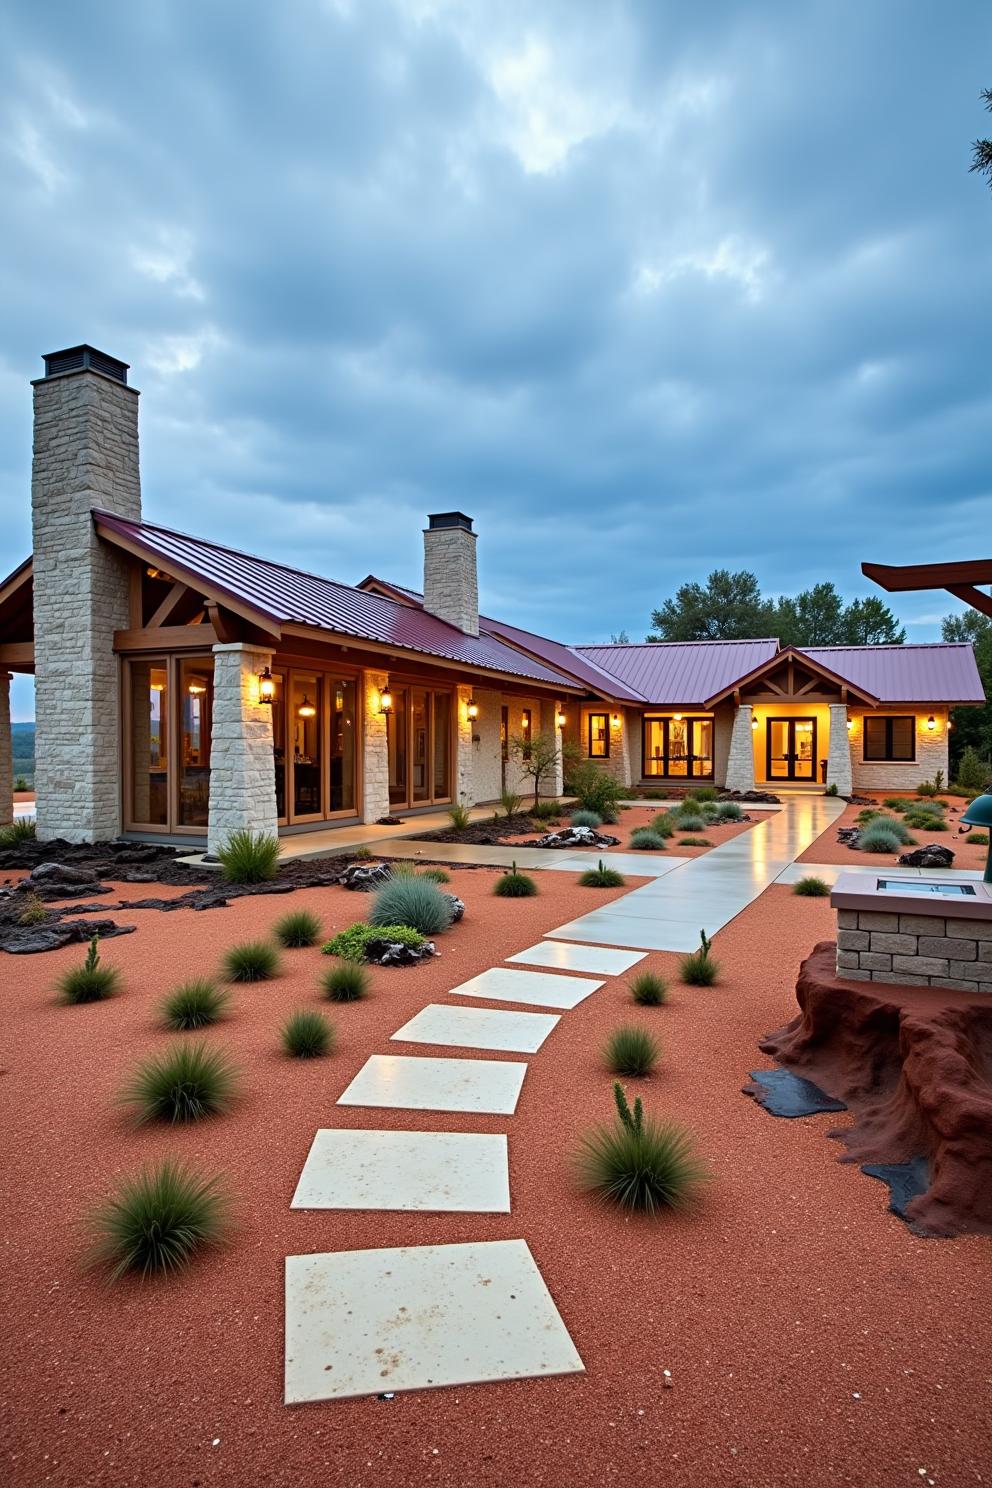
column 681, row 673
column 806, row 661
column 932, row 672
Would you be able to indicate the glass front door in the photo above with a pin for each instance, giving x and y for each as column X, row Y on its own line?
column 791, row 749
column 418, row 734
column 678, row 748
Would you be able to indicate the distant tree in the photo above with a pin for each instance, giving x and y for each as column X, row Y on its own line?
column 869, row 622
column 982, row 149
column 536, row 757
column 620, row 639
column 815, row 617
column 729, row 608
column 972, row 726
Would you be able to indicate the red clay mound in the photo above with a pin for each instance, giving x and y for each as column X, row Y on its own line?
column 914, row 1065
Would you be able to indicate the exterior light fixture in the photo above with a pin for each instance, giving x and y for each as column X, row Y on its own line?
column 561, row 720
column 931, row 724
column 386, row 700
column 615, row 720
column 524, row 720
column 850, row 724
column 754, row 721
column 677, row 717
column 266, row 687
column 306, row 708
column 472, row 708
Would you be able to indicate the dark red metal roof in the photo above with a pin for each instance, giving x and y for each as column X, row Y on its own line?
column 936, row 672
column 680, row 673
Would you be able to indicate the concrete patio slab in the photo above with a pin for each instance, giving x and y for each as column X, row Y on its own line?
column 540, row 988
column 562, row 957
column 403, row 1081
column 360, row 1322
column 465, row 1172
column 635, row 934
column 478, row 1028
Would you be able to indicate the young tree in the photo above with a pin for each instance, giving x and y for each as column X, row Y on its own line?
column 730, row 607
column 536, row 757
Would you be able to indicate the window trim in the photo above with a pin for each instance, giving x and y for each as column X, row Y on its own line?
column 590, row 725
column 887, row 758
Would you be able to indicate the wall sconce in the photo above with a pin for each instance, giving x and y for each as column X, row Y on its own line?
column 266, row 687
column 386, row 700
column 306, row 708
column 754, row 721
column 561, row 719
column 931, row 724
column 524, row 720
column 850, row 724
column 677, row 717
column 950, row 724
column 472, row 708
column 615, row 720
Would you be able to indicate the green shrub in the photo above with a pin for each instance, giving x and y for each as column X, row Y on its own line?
column 91, row 982
column 350, row 944
column 831, row 789
column 702, row 794
column 973, row 772
column 694, row 842
column 699, row 969
column 811, row 887
column 195, row 1004
column 687, row 821
column 20, row 784
column 510, row 802
column 870, row 813
column 297, row 929
column 460, row 816
column 307, row 1035
column 729, row 811
column 595, row 790
column 898, row 803
column 249, row 857
column 187, row 1083
column 648, row 989
column 874, row 820
column 346, row 982
column 514, row 885
column 362, row 855
column 646, row 840
column 925, row 821
column 664, row 824
column 878, row 837
column 436, row 875
column 978, row 839
column 583, row 818
column 931, row 787
column 638, row 1164
column 546, row 811
column 22, row 829
column 631, row 1051
column 601, row 877
column 33, row 911
column 412, row 901
column 251, row 961
column 157, row 1220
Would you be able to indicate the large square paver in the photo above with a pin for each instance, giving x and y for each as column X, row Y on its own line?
column 627, row 930
column 563, row 957
column 434, row 1171
column 360, row 1322
column 478, row 1028
column 541, row 988
column 405, row 1081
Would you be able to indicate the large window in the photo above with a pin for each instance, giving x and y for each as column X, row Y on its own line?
column 418, row 734
column 196, row 694
column 890, row 739
column 168, row 713
column 315, row 727
column 678, row 748
column 599, row 736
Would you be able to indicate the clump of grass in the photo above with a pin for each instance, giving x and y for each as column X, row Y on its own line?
column 702, row 794
column 638, row 1164
column 158, row 1220
column 409, row 900
column 346, row 982
column 91, row 982
column 249, row 857
column 729, row 811
column 811, row 887
column 584, row 818
column 648, row 989
column 22, row 829
column 362, row 855
column 351, row 944
column 251, row 961
column 664, row 824
column 34, row 911
column 195, row 1004
column 601, row 877
column 643, row 839
column 694, row 842
column 510, row 802
column 878, row 837
column 898, row 803
column 189, row 1082
column 690, row 821
column 297, row 929
column 459, row 815
column 631, row 1051
column 979, row 839
column 699, row 969
column 306, row 1035
column 514, row 885
column 925, row 818
column 436, row 875
column 546, row 811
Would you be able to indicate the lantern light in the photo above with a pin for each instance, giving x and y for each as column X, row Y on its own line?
column 472, row 708
column 386, row 700
column 754, row 721
column 306, row 708
column 562, row 720
column 525, row 720
column 677, row 717
column 616, row 720
column 266, row 687
column 850, row 724
column 931, row 724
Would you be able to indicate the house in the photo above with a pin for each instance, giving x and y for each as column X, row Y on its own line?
column 185, row 689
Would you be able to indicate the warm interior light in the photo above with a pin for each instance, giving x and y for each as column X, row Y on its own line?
column 561, row 719
column 386, row 700
column 524, row 721
column 754, row 722
column 197, row 687
column 306, row 708
column 677, row 717
column 472, row 708
column 266, row 686
column 931, row 723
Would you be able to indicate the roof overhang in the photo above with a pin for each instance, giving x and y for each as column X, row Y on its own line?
column 959, row 579
column 786, row 654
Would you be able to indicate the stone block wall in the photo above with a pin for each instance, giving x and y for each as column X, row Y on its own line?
column 375, row 751
column 931, row 753
column 740, row 758
column 487, row 773
column 6, row 754
column 839, row 750
column 464, row 774
column 723, row 727
column 451, row 585
column 915, row 950
column 242, row 770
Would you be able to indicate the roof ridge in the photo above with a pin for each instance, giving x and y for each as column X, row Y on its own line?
column 656, row 645
column 888, row 646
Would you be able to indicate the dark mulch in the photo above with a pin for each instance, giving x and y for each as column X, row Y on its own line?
column 486, row 833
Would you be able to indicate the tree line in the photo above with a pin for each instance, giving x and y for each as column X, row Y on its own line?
column 731, row 607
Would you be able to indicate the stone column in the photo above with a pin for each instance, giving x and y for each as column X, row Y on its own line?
column 242, row 762
column 839, row 751
column 552, row 784
column 6, row 754
column 628, row 739
column 464, row 776
column 740, row 764
column 375, row 751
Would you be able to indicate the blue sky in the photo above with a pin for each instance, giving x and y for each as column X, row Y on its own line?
column 646, row 288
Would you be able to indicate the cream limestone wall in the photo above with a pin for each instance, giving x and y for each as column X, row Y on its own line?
column 464, row 780
column 723, row 725
column 375, row 750
column 931, row 752
column 242, row 773
column 516, row 781
column 6, row 754
column 487, row 775
column 740, row 758
column 451, row 586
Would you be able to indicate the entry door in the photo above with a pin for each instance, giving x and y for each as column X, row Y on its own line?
column 791, row 749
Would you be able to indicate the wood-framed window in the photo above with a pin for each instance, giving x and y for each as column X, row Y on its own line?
column 316, row 734
column 677, row 748
column 598, row 738
column 168, row 726
column 889, row 739
column 420, row 744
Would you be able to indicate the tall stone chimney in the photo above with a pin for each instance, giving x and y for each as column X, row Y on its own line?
column 451, row 583
column 85, row 456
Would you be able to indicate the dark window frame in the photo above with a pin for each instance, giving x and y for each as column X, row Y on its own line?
column 887, row 757
column 590, row 725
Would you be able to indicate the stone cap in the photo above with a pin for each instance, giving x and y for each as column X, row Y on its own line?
column 916, row 896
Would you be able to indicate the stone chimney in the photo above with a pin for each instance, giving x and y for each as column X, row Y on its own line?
column 85, row 456
column 451, row 583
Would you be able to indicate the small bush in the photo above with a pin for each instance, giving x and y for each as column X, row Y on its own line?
column 350, row 944
column 22, row 829
column 638, row 1164
column 898, row 803
column 436, row 875
column 20, row 784
column 195, row 1004
column 307, row 1035
column 297, row 929
column 929, row 787
column 595, row 790
column 729, row 811
column 251, row 961
column 664, row 824
column 188, row 1083
column 346, row 982
column 878, row 837
column 694, row 842
column 702, row 794
column 583, row 818
column 514, row 885
column 249, row 857
column 687, row 821
column 408, row 900
column 978, row 839
column 648, row 989
column 973, row 771
column 33, row 911
column 510, row 802
column 601, row 877
column 811, row 887
column 870, row 813
column 157, row 1220
column 362, row 855
column 460, row 815
column 646, row 840
column 831, row 789
column 925, row 819
column 546, row 811
column 699, row 969
column 91, row 982
column 631, row 1051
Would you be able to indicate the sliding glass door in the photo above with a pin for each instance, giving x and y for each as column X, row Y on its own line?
column 168, row 726
column 678, row 748
column 315, row 727
column 419, row 735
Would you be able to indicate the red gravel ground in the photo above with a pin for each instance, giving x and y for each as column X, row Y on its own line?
column 810, row 1337
column 643, row 816
column 827, row 849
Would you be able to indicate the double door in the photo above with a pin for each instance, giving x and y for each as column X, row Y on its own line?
column 419, row 734
column 790, row 752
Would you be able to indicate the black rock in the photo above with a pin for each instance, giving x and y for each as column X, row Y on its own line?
column 62, row 873
column 393, row 953
column 364, row 877
column 576, row 837
column 26, row 940
column 389, row 821
column 933, row 855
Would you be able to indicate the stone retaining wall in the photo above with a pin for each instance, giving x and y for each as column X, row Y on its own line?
column 915, row 950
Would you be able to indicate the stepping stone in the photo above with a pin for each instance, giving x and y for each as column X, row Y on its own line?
column 647, row 934
column 361, row 1322
column 541, row 988
column 564, row 957
column 404, row 1081
column 434, row 1171
column 478, row 1028
column 785, row 1094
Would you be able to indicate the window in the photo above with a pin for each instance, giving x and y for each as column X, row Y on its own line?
column 599, row 736
column 678, row 748
column 149, row 744
column 890, row 739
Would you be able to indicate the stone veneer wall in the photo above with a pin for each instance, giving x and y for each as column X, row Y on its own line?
column 740, row 760
column 723, row 727
column 464, row 775
column 915, row 950
column 623, row 761
column 839, row 750
column 85, row 455
column 552, row 784
column 375, row 751
column 487, row 774
column 931, row 752
column 6, row 754
column 242, row 772
column 451, row 585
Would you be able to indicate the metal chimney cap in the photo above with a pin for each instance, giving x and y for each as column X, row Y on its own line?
column 84, row 359
column 448, row 519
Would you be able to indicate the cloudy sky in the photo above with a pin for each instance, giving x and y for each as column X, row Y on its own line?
column 644, row 287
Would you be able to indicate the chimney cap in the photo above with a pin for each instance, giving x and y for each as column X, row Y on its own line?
column 84, row 358
column 438, row 520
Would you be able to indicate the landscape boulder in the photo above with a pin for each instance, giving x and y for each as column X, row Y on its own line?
column 457, row 907
column 62, row 873
column 394, row 953
column 932, row 855
column 576, row 837
column 364, row 877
